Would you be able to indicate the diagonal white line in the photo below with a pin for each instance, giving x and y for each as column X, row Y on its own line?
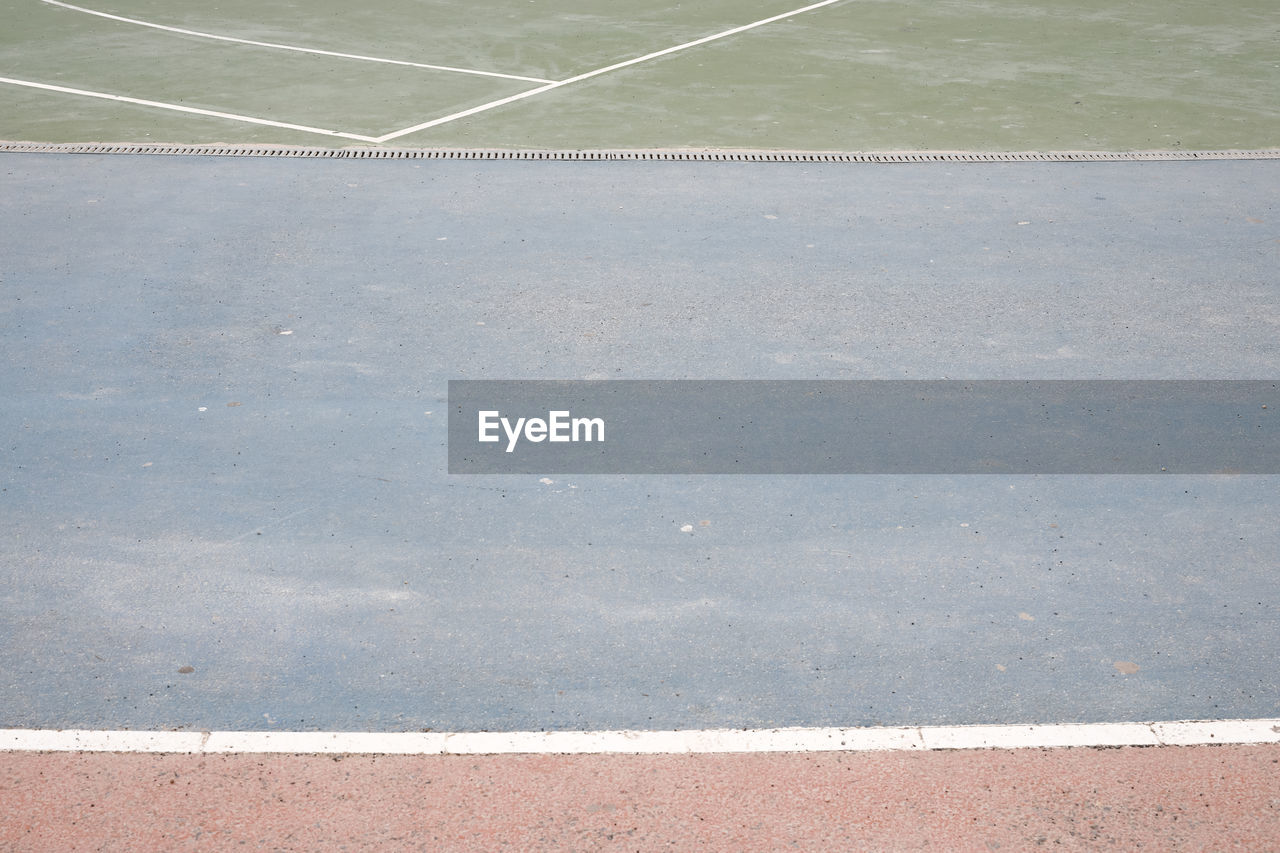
column 463, row 114
column 180, row 108
column 531, row 92
column 294, row 48
column 398, row 133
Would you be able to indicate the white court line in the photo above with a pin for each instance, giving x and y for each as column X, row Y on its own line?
column 531, row 92
column 710, row 741
column 180, row 108
column 398, row 133
column 295, row 48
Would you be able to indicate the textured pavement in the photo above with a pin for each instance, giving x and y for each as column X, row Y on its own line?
column 1172, row 798
column 225, row 498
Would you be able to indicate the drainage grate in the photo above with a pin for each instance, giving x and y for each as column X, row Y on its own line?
column 662, row 155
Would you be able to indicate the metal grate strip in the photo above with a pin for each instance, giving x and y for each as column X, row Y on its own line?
column 735, row 156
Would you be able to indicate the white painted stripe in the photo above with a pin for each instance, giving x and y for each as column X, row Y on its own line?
column 464, row 113
column 41, row 740
column 397, row 743
column 1018, row 737
column 914, row 738
column 295, row 48
column 648, row 56
column 184, row 109
column 1225, row 731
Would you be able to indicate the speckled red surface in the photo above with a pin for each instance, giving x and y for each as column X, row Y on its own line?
column 1193, row 798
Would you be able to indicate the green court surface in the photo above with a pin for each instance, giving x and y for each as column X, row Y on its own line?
column 847, row 75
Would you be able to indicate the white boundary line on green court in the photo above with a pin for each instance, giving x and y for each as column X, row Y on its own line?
column 397, row 133
column 295, row 48
column 183, row 109
column 905, row 738
column 538, row 91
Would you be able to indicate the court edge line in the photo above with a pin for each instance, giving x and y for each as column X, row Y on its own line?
column 531, row 92
column 735, row 155
column 276, row 46
column 183, row 109
column 710, row 741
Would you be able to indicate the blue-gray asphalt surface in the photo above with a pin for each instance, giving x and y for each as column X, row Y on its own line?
column 224, row 445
